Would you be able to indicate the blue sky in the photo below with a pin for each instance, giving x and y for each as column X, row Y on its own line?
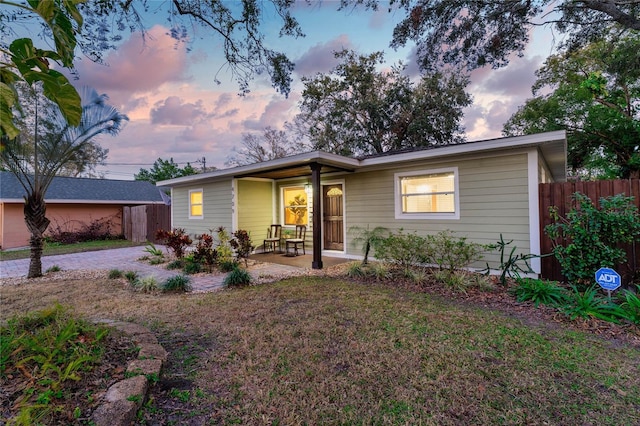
column 176, row 110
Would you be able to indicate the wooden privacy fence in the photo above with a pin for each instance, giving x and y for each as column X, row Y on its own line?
column 560, row 195
column 140, row 223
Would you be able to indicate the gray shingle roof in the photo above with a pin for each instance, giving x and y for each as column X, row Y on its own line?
column 84, row 189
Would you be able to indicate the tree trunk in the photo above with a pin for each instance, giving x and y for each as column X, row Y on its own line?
column 35, row 210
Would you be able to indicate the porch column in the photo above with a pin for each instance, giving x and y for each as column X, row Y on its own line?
column 317, row 210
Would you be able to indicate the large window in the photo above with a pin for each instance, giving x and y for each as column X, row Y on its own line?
column 431, row 194
column 195, row 204
column 294, row 201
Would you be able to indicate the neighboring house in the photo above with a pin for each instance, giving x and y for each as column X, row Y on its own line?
column 71, row 204
column 479, row 190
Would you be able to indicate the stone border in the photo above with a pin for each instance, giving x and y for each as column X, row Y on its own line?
column 123, row 399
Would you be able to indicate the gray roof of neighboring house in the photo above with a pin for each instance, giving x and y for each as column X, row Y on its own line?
column 103, row 191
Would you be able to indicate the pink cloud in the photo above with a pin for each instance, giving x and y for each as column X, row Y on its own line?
column 176, row 112
column 138, row 65
column 320, row 58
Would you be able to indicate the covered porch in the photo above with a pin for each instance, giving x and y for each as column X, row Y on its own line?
column 301, row 261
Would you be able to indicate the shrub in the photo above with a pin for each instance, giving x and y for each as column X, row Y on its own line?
column 153, row 250
column 241, row 243
column 512, row 265
column 114, row 274
column 204, row 253
column 146, row 285
column 586, row 239
column 191, row 266
column 449, row 252
column 70, row 233
column 539, row 291
column 380, row 271
column 225, row 252
column 456, row 280
column 403, row 250
column 177, row 284
column 355, row 270
column 368, row 238
column 175, row 264
column 131, row 276
column 238, row 277
column 176, row 240
column 227, row 265
column 54, row 268
column 631, row 306
column 589, row 303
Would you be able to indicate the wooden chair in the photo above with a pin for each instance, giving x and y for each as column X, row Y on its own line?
column 273, row 237
column 297, row 241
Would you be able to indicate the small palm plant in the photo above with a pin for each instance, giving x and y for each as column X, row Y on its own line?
column 368, row 238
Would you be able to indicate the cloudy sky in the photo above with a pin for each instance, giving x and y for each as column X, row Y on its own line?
column 176, row 110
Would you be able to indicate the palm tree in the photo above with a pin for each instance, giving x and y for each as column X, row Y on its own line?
column 368, row 238
column 36, row 164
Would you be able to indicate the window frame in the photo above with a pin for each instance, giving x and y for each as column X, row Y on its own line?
column 191, row 216
column 283, row 206
column 398, row 196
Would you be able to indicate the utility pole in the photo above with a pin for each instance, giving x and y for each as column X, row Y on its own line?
column 204, row 165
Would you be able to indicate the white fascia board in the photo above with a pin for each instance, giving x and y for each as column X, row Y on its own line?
column 469, row 147
column 292, row 161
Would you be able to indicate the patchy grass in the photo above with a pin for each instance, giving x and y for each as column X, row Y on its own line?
column 326, row 351
column 53, row 249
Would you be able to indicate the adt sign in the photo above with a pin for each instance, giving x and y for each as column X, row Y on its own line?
column 608, row 279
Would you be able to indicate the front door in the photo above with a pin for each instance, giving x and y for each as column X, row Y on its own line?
column 332, row 217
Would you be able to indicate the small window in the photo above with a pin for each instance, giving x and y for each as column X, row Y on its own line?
column 427, row 194
column 195, row 204
column 294, row 200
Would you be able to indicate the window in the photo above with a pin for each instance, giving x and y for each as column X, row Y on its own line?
column 427, row 194
column 195, row 204
column 294, row 200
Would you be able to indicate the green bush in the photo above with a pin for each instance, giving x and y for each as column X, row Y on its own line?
column 539, row 291
column 223, row 248
column 228, row 265
column 238, row 277
column 402, row 250
column 511, row 265
column 131, row 276
column 588, row 237
column 452, row 253
column 54, row 268
column 114, row 274
column 355, row 270
column 631, row 305
column 590, row 304
column 191, row 266
column 146, row 285
column 175, row 264
column 177, row 284
column 368, row 238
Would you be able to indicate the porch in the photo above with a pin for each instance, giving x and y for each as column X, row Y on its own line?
column 301, row 261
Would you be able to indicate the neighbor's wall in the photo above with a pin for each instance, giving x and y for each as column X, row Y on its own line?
column 493, row 201
column 255, row 208
column 67, row 217
column 217, row 207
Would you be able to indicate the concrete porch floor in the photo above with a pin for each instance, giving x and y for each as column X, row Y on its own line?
column 301, row 261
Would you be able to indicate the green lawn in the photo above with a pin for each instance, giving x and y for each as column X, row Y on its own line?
column 53, row 249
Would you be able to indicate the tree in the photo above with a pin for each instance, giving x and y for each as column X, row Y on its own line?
column 28, row 64
column 164, row 170
column 72, row 23
column 357, row 110
column 270, row 145
column 475, row 33
column 593, row 93
column 53, row 148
